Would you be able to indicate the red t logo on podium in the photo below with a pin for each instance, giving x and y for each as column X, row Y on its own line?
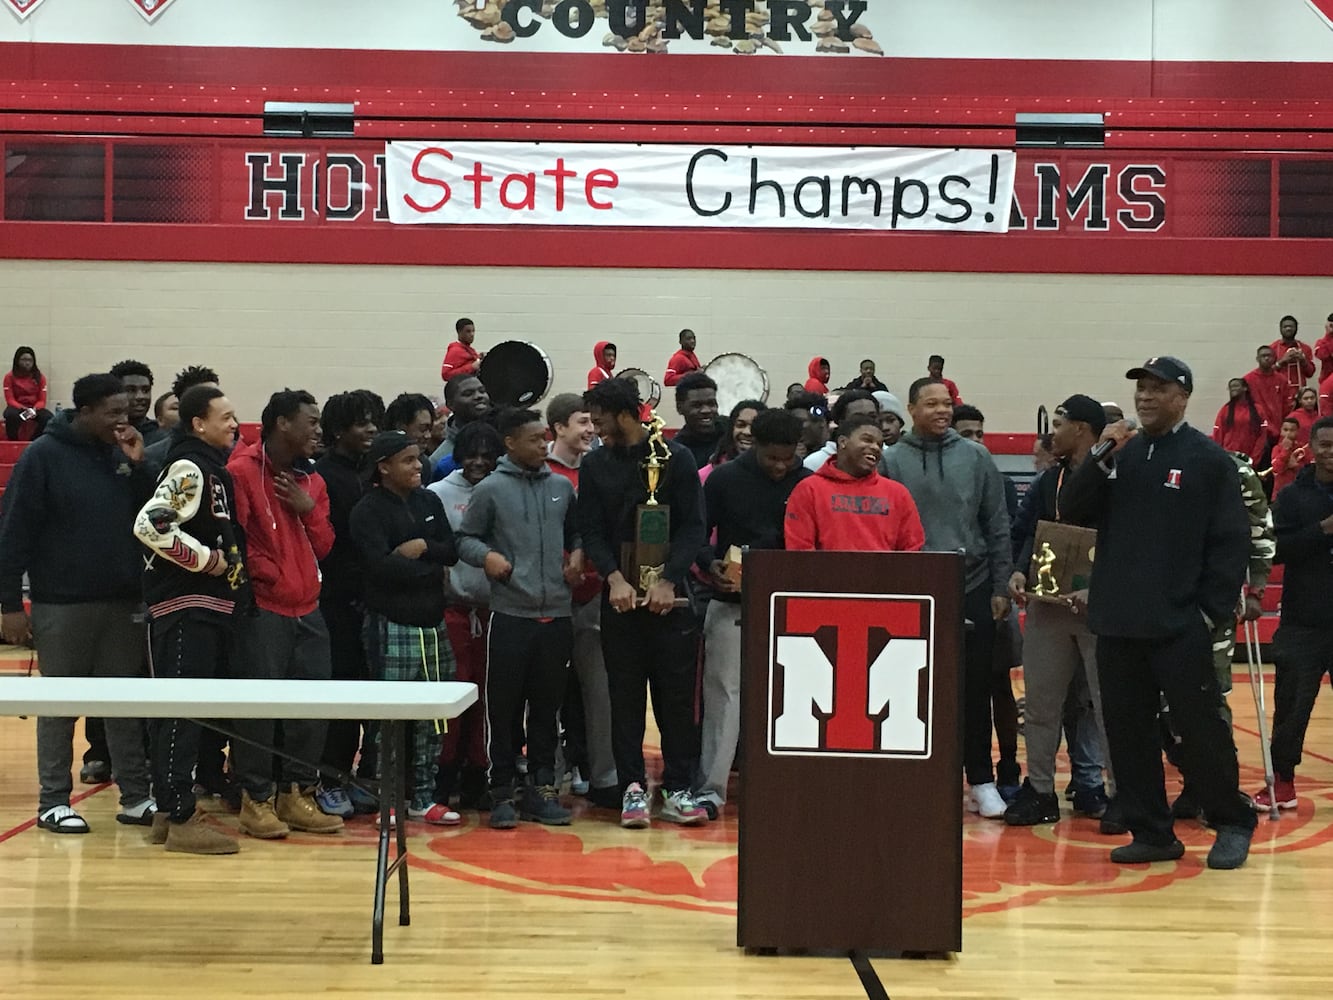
column 854, row 703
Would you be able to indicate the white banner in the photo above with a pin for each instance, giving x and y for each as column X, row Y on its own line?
column 784, row 187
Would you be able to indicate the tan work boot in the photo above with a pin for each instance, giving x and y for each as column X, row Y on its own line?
column 195, row 836
column 299, row 810
column 259, row 820
column 161, row 821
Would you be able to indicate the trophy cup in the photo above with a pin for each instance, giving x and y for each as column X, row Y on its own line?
column 643, row 560
column 1062, row 556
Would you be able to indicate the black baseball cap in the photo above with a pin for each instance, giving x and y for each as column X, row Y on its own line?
column 385, row 444
column 1084, row 409
column 1166, row 368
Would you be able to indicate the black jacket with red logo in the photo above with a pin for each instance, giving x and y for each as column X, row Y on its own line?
column 1173, row 538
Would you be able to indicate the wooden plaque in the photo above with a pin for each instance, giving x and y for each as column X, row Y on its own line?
column 1062, row 556
column 641, row 561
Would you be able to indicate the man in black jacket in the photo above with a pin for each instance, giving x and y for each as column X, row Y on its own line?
column 651, row 643
column 1173, row 545
column 745, row 501
column 66, row 522
column 405, row 543
column 1303, row 646
column 194, row 584
column 349, row 422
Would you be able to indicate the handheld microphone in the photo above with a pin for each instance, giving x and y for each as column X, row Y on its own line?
column 1101, row 449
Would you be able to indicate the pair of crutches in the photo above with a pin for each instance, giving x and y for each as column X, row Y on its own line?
column 1255, row 661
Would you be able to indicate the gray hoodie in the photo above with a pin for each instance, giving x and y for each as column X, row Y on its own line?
column 527, row 516
column 463, row 583
column 959, row 493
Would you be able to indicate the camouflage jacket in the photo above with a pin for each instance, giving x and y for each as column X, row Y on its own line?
column 1263, row 543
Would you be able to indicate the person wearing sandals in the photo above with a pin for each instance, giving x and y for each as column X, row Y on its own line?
column 518, row 528
column 67, row 522
column 405, row 543
column 195, row 585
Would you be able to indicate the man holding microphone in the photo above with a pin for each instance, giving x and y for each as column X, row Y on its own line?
column 1173, row 544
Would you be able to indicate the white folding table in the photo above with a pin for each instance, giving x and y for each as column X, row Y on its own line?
column 205, row 699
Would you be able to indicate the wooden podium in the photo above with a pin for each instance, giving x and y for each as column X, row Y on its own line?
column 851, row 806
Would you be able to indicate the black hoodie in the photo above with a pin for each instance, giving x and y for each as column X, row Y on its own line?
column 612, row 485
column 342, row 566
column 405, row 591
column 68, row 521
column 746, row 508
column 1306, row 550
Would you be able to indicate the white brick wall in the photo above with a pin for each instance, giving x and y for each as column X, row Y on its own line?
column 1012, row 341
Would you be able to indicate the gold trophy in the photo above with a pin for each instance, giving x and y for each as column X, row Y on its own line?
column 643, row 560
column 1062, row 556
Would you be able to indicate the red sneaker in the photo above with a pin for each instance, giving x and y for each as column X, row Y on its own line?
column 1284, row 791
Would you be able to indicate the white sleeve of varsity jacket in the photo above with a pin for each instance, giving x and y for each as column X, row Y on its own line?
column 176, row 500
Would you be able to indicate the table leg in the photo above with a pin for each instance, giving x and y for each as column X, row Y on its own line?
column 390, row 737
column 400, row 803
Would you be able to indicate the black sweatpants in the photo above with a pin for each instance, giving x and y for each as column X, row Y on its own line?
column 527, row 661
column 186, row 644
column 657, row 654
column 978, row 657
column 347, row 659
column 1134, row 674
column 1301, row 657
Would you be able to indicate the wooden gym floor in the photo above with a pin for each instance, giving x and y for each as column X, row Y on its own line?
column 593, row 911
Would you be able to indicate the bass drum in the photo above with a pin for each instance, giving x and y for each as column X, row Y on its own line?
column 738, row 377
column 516, row 373
column 650, row 391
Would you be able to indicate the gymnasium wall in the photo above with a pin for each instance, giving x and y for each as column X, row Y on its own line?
column 1215, row 194
column 1012, row 340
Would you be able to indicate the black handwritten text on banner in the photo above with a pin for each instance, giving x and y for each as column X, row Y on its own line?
column 571, row 184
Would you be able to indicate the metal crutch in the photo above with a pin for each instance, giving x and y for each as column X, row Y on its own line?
column 1253, row 657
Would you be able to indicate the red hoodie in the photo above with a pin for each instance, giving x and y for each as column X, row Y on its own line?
column 1305, row 366
column 1323, row 351
column 1272, row 396
column 681, row 364
column 460, row 359
column 832, row 511
column 25, row 391
column 283, row 549
column 1247, row 434
column 1326, row 397
column 814, row 383
column 1305, row 421
column 599, row 373
column 1287, row 461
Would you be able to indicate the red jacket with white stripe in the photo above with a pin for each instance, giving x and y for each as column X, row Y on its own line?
column 283, row 548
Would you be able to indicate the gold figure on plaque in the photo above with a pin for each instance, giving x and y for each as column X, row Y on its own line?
column 1047, row 586
column 645, row 559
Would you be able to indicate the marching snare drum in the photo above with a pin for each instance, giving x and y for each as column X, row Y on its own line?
column 516, row 373
column 650, row 390
column 738, row 377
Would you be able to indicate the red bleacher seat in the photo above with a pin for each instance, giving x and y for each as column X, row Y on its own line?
column 5, row 470
column 11, row 450
column 250, row 432
column 1272, row 599
column 1276, row 575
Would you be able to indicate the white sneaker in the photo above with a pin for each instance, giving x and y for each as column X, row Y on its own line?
column 985, row 799
column 578, row 784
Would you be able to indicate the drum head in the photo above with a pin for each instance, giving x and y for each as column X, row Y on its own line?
column 516, row 374
column 650, row 391
column 738, row 377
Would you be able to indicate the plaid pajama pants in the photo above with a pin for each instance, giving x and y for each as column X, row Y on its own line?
column 408, row 653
